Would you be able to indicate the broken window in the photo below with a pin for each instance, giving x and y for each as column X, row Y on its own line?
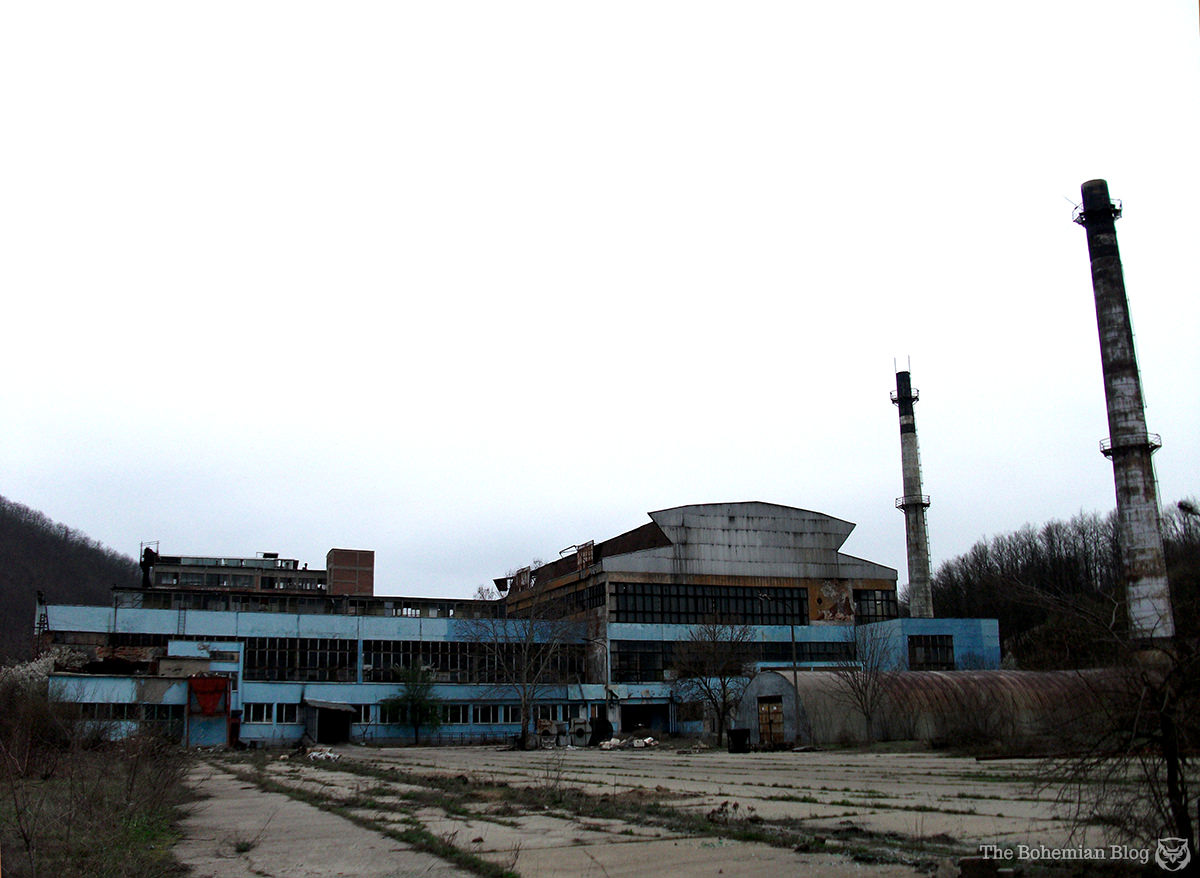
column 257, row 712
column 316, row 659
column 874, row 605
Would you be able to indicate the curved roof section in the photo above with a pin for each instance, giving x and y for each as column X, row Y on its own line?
column 1043, row 690
column 1009, row 705
column 749, row 539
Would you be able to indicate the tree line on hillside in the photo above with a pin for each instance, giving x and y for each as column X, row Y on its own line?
column 39, row 554
column 1022, row 577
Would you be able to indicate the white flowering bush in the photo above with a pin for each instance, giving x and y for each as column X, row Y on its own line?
column 32, row 676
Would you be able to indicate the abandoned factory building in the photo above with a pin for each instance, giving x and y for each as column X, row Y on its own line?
column 264, row 651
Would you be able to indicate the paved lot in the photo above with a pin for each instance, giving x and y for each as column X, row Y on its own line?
column 910, row 809
column 240, row 831
column 915, row 793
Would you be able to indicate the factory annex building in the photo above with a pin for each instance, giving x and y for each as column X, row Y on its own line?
column 264, row 651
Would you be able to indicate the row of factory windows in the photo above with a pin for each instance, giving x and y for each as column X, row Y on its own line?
column 875, row 605
column 170, row 716
column 457, row 661
column 323, row 659
column 931, row 652
column 386, row 713
column 164, row 719
column 130, row 711
column 563, row 606
column 255, row 602
column 632, row 602
column 336, row 660
column 237, row 580
column 315, row 659
column 224, row 602
column 652, row 603
column 655, row 603
column 653, row 660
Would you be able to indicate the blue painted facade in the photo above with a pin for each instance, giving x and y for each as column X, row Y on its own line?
column 633, row 598
column 474, row 712
column 976, row 642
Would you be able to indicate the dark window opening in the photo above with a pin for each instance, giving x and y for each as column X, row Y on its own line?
column 931, row 652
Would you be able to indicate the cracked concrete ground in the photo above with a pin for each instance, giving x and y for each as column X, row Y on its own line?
column 240, row 831
column 852, row 798
column 911, row 793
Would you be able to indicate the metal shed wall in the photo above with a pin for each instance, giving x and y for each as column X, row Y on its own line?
column 930, row 705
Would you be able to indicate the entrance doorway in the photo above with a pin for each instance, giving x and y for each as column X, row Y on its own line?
column 655, row 717
column 770, row 721
column 328, row 722
column 333, row 726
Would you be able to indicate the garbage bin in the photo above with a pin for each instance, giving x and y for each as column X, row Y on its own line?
column 739, row 740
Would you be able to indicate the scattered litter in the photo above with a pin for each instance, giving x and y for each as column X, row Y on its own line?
column 324, row 753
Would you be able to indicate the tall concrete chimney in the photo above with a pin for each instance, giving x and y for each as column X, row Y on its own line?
column 1129, row 445
column 913, row 503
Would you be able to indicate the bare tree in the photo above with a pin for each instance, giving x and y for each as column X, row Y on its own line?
column 714, row 665
column 864, row 679
column 486, row 593
column 526, row 651
column 1127, row 750
column 1127, row 753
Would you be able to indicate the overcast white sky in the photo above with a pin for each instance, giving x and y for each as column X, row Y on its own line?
column 466, row 283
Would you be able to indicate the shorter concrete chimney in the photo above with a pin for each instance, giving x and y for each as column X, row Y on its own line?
column 913, row 504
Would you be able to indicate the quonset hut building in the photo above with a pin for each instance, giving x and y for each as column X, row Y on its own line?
column 263, row 651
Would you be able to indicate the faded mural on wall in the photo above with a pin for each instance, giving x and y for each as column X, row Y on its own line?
column 832, row 602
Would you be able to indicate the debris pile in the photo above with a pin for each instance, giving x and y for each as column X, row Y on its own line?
column 628, row 743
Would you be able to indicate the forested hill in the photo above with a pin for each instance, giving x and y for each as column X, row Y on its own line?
column 1038, row 581
column 69, row 567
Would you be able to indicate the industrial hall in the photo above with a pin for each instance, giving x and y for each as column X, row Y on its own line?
column 265, row 652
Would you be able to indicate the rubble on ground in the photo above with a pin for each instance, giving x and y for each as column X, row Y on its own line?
column 628, row 743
